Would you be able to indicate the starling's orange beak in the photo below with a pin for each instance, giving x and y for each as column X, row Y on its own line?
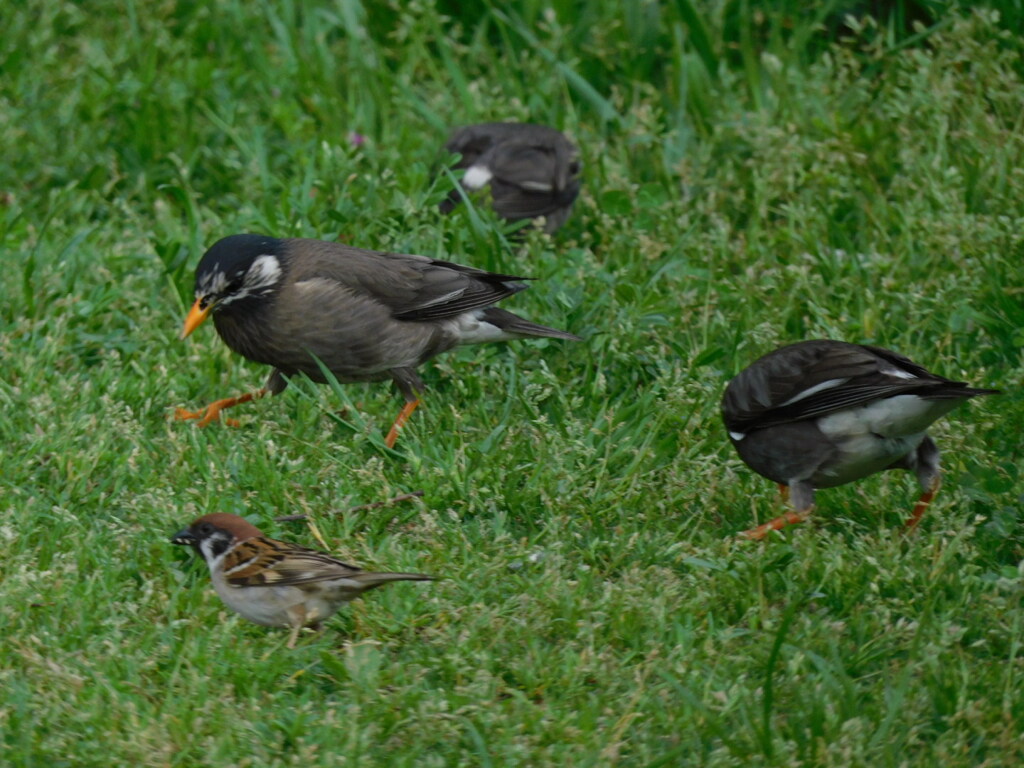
column 195, row 318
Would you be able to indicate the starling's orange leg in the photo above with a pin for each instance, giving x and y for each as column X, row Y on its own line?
column 784, row 492
column 210, row 412
column 403, row 417
column 764, row 529
column 922, row 505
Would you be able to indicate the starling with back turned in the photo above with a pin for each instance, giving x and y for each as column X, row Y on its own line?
column 823, row 413
column 532, row 170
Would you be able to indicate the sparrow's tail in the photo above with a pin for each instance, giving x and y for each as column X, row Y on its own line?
column 371, row 580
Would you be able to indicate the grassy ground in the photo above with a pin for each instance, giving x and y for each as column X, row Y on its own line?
column 750, row 181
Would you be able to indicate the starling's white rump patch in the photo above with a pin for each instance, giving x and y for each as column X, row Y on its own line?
column 471, row 328
column 901, row 416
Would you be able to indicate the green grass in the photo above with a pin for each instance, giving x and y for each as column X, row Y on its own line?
column 752, row 179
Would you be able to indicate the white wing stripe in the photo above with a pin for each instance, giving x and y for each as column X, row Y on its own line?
column 830, row 384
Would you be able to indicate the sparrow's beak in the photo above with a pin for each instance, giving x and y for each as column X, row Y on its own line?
column 184, row 536
column 196, row 315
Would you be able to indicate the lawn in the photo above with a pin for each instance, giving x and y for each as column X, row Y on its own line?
column 751, row 178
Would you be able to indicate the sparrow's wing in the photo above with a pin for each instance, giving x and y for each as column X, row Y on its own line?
column 263, row 562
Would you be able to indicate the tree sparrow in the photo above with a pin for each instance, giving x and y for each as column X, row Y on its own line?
column 275, row 583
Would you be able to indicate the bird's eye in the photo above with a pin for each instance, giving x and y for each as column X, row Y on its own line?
column 235, row 285
column 205, row 529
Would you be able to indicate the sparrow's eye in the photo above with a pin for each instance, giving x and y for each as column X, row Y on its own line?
column 205, row 529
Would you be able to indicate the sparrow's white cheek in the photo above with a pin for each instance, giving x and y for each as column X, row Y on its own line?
column 213, row 550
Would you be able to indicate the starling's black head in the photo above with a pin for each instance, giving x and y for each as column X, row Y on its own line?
column 239, row 267
column 238, row 271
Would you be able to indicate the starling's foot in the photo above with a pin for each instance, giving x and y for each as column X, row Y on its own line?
column 922, row 505
column 403, row 417
column 212, row 411
column 764, row 529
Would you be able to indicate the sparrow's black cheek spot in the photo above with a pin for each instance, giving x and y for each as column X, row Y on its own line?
column 218, row 547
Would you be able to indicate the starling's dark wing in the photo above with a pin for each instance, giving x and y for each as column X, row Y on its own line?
column 411, row 287
column 535, row 166
column 473, row 141
column 813, row 378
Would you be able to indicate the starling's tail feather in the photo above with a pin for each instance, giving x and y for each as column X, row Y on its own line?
column 956, row 390
column 510, row 323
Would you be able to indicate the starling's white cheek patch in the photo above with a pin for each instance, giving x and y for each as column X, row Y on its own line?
column 737, row 436
column 264, row 272
column 477, row 176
